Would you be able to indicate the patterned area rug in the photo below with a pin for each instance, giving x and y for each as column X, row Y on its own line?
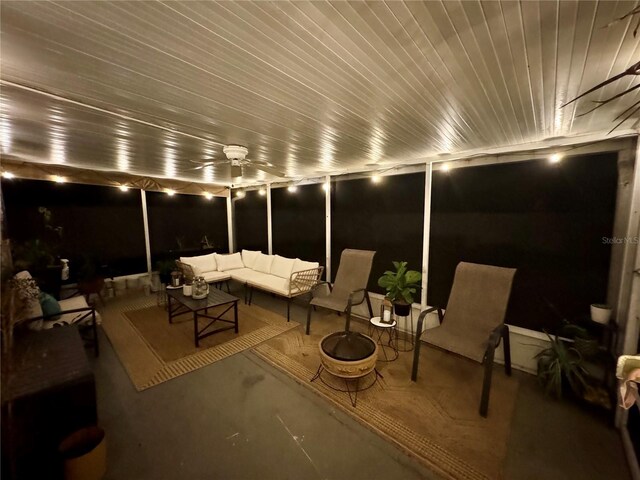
column 153, row 351
column 435, row 419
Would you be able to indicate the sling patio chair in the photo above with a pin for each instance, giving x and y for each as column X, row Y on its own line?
column 350, row 287
column 473, row 323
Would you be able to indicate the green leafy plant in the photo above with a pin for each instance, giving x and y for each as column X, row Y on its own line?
column 400, row 284
column 561, row 363
column 165, row 267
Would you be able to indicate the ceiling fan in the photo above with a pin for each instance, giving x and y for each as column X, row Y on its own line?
column 237, row 159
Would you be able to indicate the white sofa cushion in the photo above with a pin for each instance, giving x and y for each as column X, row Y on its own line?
column 263, row 263
column 243, row 275
column 229, row 262
column 201, row 263
column 214, row 277
column 249, row 257
column 301, row 265
column 270, row 283
column 282, row 267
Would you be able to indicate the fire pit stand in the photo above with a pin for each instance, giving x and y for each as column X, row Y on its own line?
column 349, row 356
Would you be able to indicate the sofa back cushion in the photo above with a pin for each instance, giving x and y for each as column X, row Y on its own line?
column 301, row 265
column 282, row 267
column 229, row 262
column 249, row 258
column 201, row 263
column 263, row 263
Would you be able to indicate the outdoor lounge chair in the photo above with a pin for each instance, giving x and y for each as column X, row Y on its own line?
column 474, row 320
column 350, row 287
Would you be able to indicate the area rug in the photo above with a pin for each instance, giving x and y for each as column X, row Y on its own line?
column 153, row 351
column 435, row 419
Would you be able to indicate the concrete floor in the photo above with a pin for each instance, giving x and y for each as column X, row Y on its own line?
column 240, row 418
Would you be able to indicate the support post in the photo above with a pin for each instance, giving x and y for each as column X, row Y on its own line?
column 269, row 225
column 145, row 222
column 327, row 219
column 230, row 222
column 428, row 180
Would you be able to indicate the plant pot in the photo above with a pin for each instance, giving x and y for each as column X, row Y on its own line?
column 85, row 454
column 588, row 347
column 600, row 313
column 402, row 309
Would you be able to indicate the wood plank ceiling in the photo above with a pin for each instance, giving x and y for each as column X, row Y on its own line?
column 309, row 87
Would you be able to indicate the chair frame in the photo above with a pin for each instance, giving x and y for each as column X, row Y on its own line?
column 90, row 310
column 501, row 332
column 347, row 310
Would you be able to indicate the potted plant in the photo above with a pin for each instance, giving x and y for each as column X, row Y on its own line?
column 400, row 285
column 165, row 267
column 560, row 368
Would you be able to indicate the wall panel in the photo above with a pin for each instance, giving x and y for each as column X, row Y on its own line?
column 387, row 217
column 298, row 223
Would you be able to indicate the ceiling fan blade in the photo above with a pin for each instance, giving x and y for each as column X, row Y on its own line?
column 204, row 160
column 268, row 169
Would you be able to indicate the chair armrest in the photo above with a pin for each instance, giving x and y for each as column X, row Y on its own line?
column 305, row 280
column 315, row 287
column 496, row 336
column 62, row 312
column 360, row 290
column 423, row 315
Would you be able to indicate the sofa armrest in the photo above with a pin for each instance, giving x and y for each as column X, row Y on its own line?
column 305, row 281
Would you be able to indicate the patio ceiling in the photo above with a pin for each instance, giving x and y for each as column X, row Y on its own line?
column 309, row 87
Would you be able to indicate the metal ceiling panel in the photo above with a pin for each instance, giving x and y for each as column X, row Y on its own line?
column 310, row 87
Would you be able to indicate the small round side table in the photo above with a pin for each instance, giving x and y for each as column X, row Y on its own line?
column 390, row 349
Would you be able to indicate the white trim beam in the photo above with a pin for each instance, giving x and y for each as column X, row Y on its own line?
column 145, row 222
column 269, row 222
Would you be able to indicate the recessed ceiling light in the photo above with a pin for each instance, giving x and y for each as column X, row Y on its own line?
column 208, row 195
column 58, row 179
column 170, row 192
column 123, row 188
column 326, row 186
column 8, row 175
column 376, row 178
column 292, row 189
column 445, row 167
column 240, row 194
column 262, row 192
column 555, row 158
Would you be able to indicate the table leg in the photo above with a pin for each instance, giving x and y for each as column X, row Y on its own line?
column 169, row 307
column 235, row 314
column 195, row 329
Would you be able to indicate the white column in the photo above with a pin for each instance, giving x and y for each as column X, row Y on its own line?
column 327, row 219
column 230, row 222
column 145, row 222
column 269, row 225
column 425, row 232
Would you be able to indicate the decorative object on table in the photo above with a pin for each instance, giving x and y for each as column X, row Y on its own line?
column 176, row 278
column 18, row 296
column 600, row 313
column 65, row 269
column 561, row 365
column 400, row 285
column 386, row 311
column 187, row 289
column 200, row 288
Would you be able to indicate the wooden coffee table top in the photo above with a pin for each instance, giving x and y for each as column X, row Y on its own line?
column 216, row 298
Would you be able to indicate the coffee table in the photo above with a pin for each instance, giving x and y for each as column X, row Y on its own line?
column 200, row 309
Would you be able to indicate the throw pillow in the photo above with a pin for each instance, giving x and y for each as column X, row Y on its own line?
column 205, row 263
column 301, row 265
column 232, row 261
column 249, row 258
column 263, row 263
column 282, row 267
column 50, row 306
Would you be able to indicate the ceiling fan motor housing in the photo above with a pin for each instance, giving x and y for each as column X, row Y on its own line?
column 235, row 152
